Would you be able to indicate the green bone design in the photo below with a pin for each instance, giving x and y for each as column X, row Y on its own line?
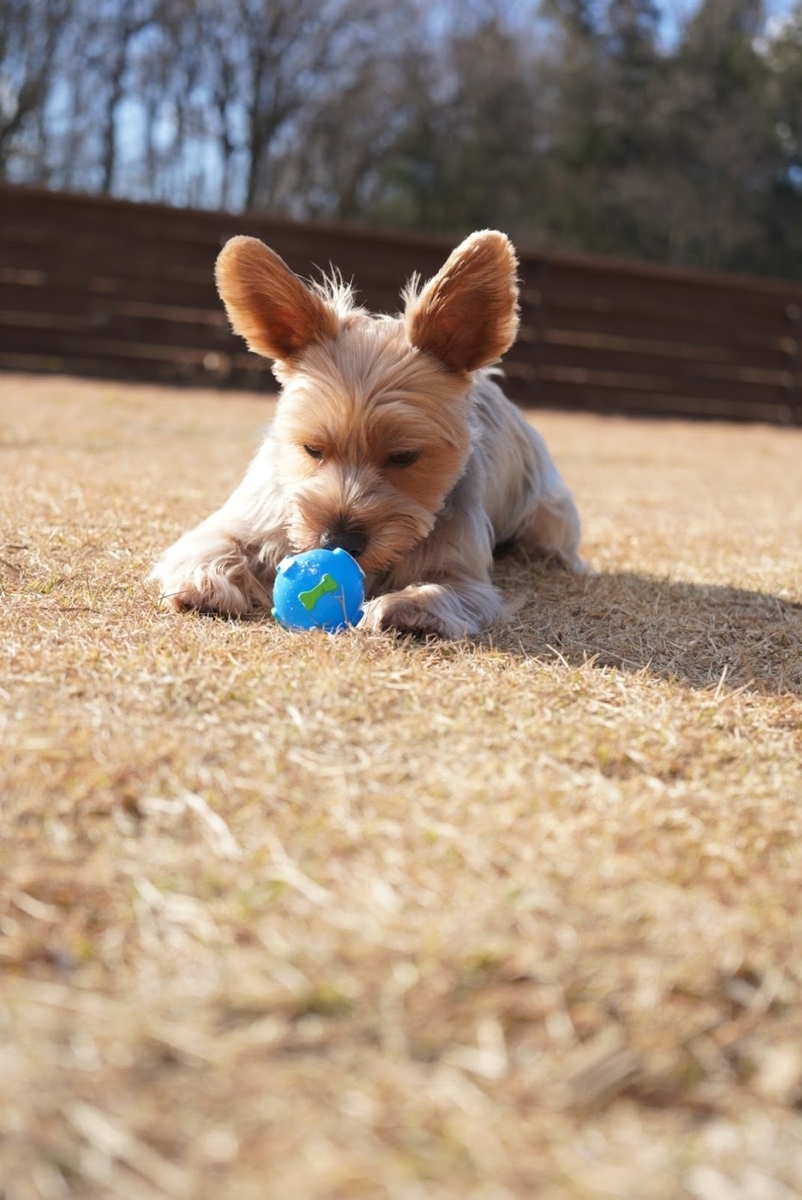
column 309, row 599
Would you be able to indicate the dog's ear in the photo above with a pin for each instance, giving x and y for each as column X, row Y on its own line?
column 267, row 303
column 467, row 316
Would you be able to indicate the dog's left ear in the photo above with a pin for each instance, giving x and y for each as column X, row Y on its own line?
column 467, row 315
column 267, row 303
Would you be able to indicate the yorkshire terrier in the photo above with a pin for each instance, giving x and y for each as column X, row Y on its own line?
column 390, row 439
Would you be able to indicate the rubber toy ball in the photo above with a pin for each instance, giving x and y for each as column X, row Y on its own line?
column 319, row 589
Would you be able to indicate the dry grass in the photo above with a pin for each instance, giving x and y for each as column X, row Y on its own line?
column 306, row 917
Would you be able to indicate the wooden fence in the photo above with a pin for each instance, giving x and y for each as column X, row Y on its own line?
column 104, row 287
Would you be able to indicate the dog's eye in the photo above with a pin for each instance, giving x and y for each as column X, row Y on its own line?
column 404, row 458
column 313, row 451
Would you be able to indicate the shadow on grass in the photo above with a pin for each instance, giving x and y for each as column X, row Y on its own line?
column 704, row 636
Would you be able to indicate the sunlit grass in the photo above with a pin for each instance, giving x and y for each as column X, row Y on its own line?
column 301, row 916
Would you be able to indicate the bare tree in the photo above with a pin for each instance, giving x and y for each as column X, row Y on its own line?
column 566, row 122
column 118, row 24
column 29, row 37
column 286, row 55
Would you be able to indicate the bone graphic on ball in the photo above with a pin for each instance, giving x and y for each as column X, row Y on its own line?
column 309, row 599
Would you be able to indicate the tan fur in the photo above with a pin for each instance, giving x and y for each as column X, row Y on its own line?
column 359, row 391
column 266, row 303
column 467, row 316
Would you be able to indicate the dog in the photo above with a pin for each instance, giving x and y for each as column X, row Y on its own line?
column 391, row 439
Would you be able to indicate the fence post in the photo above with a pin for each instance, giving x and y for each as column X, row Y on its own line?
column 534, row 300
column 794, row 314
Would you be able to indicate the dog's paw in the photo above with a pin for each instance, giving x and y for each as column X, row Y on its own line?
column 202, row 590
column 404, row 618
column 413, row 611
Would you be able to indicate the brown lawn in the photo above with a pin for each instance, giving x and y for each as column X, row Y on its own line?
column 305, row 917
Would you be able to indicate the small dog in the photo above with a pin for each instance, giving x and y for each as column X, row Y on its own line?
column 390, row 439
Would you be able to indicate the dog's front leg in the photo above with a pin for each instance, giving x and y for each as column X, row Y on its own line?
column 227, row 563
column 213, row 568
column 449, row 608
column 443, row 587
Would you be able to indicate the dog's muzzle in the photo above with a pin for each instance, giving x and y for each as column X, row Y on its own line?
column 354, row 541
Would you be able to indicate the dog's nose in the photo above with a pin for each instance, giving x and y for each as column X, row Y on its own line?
column 339, row 536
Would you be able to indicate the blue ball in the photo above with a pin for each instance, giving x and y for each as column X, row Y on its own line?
column 319, row 589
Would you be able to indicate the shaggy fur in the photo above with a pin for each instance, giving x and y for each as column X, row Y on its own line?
column 390, row 439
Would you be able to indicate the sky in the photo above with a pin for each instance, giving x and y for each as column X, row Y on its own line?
column 675, row 12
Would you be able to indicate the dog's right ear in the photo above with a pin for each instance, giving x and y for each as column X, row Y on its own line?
column 267, row 303
column 467, row 316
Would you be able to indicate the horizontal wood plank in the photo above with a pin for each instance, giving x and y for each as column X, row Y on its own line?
column 109, row 287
